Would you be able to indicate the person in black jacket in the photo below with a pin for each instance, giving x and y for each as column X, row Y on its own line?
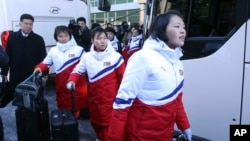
column 4, row 58
column 82, row 34
column 26, row 49
column 123, row 32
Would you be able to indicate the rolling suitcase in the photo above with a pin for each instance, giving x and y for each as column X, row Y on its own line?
column 33, row 125
column 64, row 125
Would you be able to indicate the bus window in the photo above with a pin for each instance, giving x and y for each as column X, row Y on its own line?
column 210, row 23
column 211, row 18
column 201, row 21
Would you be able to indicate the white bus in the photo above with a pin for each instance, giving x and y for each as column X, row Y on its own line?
column 47, row 14
column 216, row 62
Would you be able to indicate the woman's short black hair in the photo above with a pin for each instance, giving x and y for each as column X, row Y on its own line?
column 160, row 24
column 123, row 23
column 98, row 30
column 138, row 29
column 110, row 29
column 94, row 25
column 61, row 28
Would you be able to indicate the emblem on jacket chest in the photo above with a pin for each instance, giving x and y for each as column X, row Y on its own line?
column 71, row 55
column 181, row 72
column 106, row 63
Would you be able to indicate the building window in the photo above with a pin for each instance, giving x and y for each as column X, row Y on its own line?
column 121, row 15
column 112, row 1
column 93, row 3
column 121, row 1
column 92, row 18
column 116, row 17
column 100, row 17
column 111, row 16
column 133, row 16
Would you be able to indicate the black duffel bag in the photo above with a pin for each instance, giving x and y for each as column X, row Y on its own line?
column 29, row 93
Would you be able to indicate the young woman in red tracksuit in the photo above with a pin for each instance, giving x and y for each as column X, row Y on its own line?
column 135, row 41
column 149, row 100
column 134, row 44
column 64, row 57
column 105, row 68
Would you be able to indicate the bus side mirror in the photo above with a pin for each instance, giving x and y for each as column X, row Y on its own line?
column 104, row 5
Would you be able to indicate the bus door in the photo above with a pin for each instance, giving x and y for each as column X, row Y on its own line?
column 246, row 88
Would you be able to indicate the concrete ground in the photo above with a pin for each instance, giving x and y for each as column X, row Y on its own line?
column 86, row 132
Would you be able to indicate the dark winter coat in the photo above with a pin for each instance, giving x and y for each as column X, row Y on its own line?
column 24, row 53
column 84, row 40
column 4, row 59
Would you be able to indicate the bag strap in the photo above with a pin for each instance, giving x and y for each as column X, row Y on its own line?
column 34, row 78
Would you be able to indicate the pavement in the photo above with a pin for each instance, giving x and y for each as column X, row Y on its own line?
column 86, row 132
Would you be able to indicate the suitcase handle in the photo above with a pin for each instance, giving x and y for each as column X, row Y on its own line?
column 72, row 93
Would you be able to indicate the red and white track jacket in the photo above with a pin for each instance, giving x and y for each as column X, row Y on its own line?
column 64, row 58
column 149, row 100
column 105, row 71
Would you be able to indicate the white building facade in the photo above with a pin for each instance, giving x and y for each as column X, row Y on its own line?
column 131, row 11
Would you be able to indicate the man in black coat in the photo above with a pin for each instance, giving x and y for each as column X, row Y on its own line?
column 81, row 33
column 26, row 49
